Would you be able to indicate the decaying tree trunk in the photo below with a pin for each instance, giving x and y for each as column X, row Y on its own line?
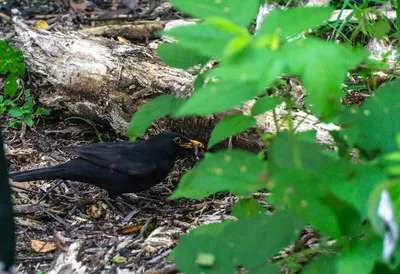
column 107, row 81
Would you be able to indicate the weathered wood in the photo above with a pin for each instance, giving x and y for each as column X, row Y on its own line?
column 107, row 81
column 97, row 78
column 136, row 30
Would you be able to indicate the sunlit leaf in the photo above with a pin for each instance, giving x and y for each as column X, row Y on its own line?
column 230, row 126
column 157, row 108
column 236, row 171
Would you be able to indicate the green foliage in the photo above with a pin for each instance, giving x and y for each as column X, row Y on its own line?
column 20, row 107
column 374, row 126
column 280, row 22
column 240, row 12
column 230, row 126
column 265, row 104
column 159, row 107
column 237, row 171
column 246, row 242
column 247, row 208
column 311, row 183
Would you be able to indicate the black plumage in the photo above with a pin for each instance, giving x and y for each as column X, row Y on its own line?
column 121, row 167
column 7, row 238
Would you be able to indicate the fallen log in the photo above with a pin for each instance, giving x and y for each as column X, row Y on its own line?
column 107, row 81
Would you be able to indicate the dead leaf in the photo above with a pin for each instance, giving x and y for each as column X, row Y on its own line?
column 94, row 212
column 43, row 247
column 123, row 40
column 42, row 24
column 25, row 185
column 132, row 228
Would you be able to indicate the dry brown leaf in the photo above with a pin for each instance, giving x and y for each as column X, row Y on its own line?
column 43, row 247
column 94, row 212
column 25, row 185
column 42, row 24
column 132, row 228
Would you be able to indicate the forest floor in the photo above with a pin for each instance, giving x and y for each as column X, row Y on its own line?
column 136, row 235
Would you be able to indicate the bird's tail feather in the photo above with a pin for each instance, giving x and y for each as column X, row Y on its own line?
column 46, row 173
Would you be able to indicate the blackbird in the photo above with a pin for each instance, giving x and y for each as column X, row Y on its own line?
column 121, row 167
column 7, row 235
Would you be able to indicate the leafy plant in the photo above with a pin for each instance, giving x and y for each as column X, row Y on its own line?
column 19, row 106
column 345, row 200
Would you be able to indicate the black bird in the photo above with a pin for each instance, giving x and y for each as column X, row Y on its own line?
column 7, row 236
column 121, row 167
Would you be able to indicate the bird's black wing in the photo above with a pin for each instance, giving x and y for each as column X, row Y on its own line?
column 123, row 157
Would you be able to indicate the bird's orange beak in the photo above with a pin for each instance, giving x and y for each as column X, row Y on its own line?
column 192, row 144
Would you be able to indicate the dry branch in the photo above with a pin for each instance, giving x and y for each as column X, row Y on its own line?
column 136, row 30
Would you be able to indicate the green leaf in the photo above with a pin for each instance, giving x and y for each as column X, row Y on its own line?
column 255, row 240
column 322, row 67
column 381, row 28
column 374, row 126
column 8, row 102
column 303, row 193
column 239, row 11
column 280, row 22
column 288, row 152
column 247, row 208
column 14, row 112
column 178, row 56
column 237, row 171
column 266, row 269
column 359, row 256
column 238, row 246
column 11, row 85
column 257, row 65
column 42, row 111
column 15, row 123
column 264, row 104
column 325, row 262
column 381, row 268
column 189, row 248
column 230, row 126
column 208, row 40
column 352, row 183
column 217, row 97
column 157, row 108
column 236, row 45
column 28, row 119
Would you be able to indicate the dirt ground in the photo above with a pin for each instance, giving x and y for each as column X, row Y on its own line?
column 136, row 234
column 73, row 212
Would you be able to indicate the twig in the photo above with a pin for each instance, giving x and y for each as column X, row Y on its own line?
column 5, row 17
column 55, row 217
column 49, row 191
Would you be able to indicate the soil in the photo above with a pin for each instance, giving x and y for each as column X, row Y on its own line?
column 78, row 212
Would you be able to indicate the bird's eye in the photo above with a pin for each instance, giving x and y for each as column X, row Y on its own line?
column 177, row 140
